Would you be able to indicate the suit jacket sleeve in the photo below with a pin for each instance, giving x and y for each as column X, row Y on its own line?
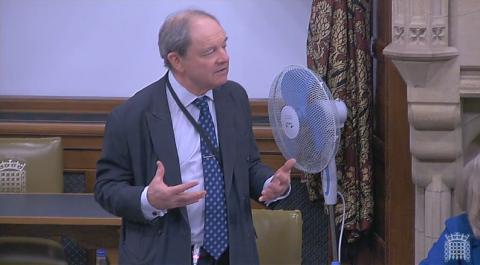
column 258, row 171
column 114, row 188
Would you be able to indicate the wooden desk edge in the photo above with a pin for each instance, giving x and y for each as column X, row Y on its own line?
column 42, row 220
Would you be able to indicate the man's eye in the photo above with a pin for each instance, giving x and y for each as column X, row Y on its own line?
column 209, row 51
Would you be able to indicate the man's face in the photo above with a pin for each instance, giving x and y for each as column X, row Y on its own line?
column 205, row 64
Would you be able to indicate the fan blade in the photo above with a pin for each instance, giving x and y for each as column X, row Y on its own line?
column 296, row 87
column 303, row 118
column 317, row 120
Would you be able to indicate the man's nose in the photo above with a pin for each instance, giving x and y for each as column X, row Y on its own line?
column 223, row 57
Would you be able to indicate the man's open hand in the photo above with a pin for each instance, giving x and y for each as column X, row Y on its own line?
column 161, row 196
column 280, row 182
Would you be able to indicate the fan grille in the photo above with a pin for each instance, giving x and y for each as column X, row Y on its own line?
column 297, row 91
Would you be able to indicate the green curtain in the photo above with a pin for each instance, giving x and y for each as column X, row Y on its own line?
column 338, row 50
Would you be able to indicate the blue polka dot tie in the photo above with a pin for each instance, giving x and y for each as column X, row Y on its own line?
column 216, row 230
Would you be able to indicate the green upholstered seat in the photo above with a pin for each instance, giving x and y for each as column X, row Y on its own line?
column 30, row 251
column 31, row 165
column 279, row 236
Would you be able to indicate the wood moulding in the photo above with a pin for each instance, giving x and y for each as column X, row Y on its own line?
column 81, row 122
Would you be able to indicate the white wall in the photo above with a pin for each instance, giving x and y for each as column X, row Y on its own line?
column 464, row 25
column 107, row 48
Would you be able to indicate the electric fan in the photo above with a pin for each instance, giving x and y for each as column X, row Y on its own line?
column 306, row 122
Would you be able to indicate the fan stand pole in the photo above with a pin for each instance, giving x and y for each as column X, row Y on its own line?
column 333, row 234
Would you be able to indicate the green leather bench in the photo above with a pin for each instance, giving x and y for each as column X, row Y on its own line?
column 31, row 165
column 279, row 236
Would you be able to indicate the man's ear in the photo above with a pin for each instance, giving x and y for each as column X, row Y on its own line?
column 175, row 61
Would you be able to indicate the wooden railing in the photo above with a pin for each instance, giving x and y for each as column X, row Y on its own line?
column 80, row 123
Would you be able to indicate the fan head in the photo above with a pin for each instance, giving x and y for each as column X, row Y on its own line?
column 303, row 118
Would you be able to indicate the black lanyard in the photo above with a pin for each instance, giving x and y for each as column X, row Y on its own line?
column 195, row 124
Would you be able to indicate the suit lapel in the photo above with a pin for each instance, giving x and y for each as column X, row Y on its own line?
column 160, row 128
column 225, row 120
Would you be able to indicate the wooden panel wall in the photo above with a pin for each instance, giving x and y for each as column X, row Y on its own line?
column 393, row 235
column 80, row 122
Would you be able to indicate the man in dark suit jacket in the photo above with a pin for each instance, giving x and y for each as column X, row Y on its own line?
column 150, row 172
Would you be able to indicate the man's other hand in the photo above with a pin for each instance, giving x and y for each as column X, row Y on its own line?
column 280, row 182
column 161, row 196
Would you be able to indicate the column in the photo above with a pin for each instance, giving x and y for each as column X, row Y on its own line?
column 420, row 51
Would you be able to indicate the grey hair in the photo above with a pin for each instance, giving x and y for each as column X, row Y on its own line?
column 174, row 35
column 467, row 191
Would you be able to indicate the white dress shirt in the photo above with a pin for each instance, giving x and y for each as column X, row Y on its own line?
column 187, row 140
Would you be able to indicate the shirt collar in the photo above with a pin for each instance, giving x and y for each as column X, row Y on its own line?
column 185, row 96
